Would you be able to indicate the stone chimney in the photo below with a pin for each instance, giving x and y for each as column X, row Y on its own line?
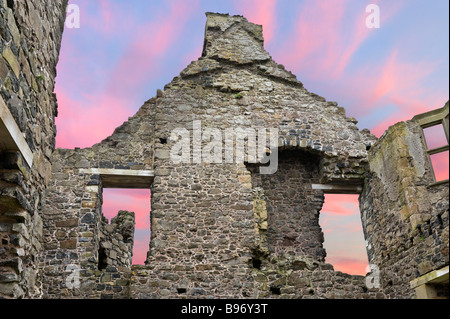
column 233, row 38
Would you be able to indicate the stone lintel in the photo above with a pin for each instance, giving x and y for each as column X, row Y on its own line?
column 338, row 189
column 11, row 138
column 122, row 178
column 432, row 117
column 434, row 277
column 426, row 286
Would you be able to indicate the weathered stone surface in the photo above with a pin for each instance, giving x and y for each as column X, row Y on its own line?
column 218, row 228
column 67, row 223
column 68, row 244
column 9, row 56
column 117, row 240
column 30, row 34
column 398, row 205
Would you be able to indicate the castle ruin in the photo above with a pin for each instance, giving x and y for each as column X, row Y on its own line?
column 219, row 229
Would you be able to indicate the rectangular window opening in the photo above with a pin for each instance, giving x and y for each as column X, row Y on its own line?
column 440, row 163
column 344, row 242
column 131, row 200
column 436, row 141
column 435, row 136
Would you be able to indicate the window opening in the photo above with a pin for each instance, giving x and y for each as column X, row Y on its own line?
column 440, row 163
column 435, row 131
column 438, row 150
column 133, row 200
column 435, row 136
column 343, row 234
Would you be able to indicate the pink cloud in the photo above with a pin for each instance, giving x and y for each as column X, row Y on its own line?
column 359, row 33
column 347, row 265
column 326, row 38
column 323, row 45
column 262, row 12
column 343, row 205
column 435, row 136
column 151, row 42
column 109, row 18
column 400, row 81
column 135, row 200
column 79, row 118
column 344, row 240
column 77, row 121
column 322, row 42
column 393, row 82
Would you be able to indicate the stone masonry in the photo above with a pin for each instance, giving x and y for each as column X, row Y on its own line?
column 30, row 38
column 219, row 229
column 404, row 213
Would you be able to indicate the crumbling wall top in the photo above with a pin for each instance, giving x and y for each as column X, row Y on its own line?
column 233, row 38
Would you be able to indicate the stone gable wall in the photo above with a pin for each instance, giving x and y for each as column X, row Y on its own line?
column 210, row 221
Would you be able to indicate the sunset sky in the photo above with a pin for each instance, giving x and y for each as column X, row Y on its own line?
column 125, row 50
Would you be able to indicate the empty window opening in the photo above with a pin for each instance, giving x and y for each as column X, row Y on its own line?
column 132, row 200
column 181, row 290
column 163, row 140
column 435, row 136
column 436, row 142
column 343, row 234
column 440, row 163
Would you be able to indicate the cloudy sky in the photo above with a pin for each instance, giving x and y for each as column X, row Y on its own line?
column 125, row 50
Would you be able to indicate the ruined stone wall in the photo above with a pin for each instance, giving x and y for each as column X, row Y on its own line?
column 71, row 218
column 215, row 226
column 219, row 230
column 116, row 241
column 304, row 278
column 223, row 230
column 30, row 38
column 299, row 279
column 74, row 226
column 291, row 206
column 207, row 226
column 405, row 218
